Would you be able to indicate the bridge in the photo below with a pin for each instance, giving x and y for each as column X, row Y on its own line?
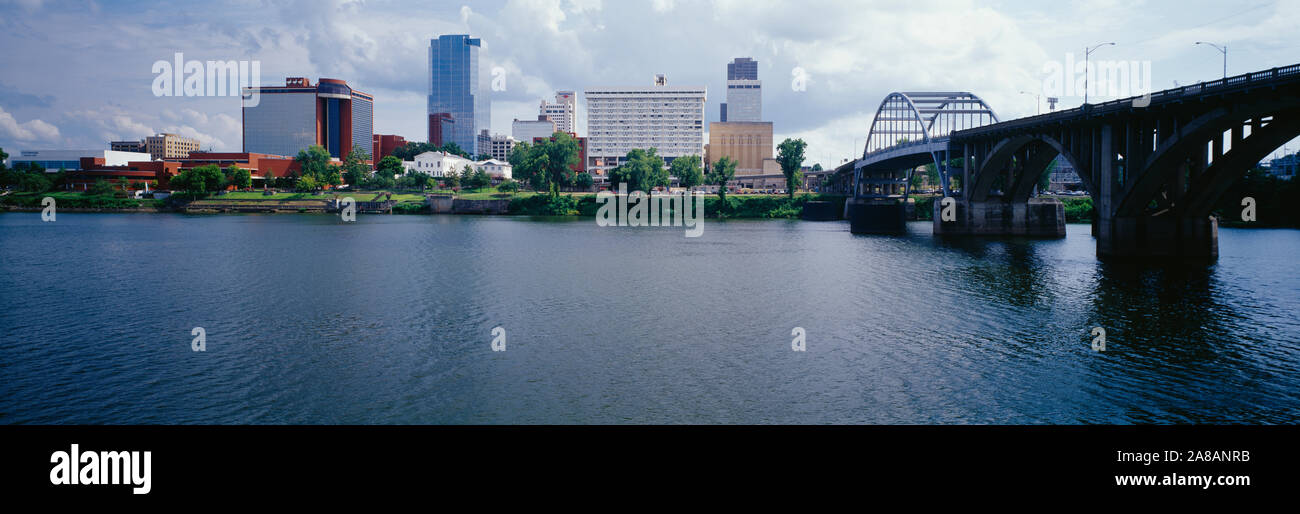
column 1155, row 166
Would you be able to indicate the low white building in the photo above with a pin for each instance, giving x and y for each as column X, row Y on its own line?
column 53, row 160
column 439, row 164
column 499, row 170
column 436, row 164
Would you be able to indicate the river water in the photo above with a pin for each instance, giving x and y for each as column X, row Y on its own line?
column 391, row 319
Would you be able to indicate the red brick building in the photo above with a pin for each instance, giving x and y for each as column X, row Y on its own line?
column 384, row 146
column 156, row 173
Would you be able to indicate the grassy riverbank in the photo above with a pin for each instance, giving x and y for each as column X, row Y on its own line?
column 73, row 200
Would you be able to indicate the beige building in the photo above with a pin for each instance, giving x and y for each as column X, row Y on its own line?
column 749, row 143
column 170, row 146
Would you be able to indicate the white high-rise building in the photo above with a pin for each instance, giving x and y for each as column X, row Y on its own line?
column 563, row 112
column 669, row 119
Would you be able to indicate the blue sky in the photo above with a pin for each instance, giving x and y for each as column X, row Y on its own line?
column 78, row 73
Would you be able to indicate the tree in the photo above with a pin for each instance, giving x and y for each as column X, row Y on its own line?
column 315, row 163
column 790, row 155
column 389, row 167
column 547, row 164
column 355, row 169
column 688, row 171
column 508, row 186
column 306, row 183
column 100, row 187
column 723, row 171
column 583, row 181
column 642, row 170
column 482, row 157
column 561, row 153
column 239, row 177
column 200, row 179
column 451, row 179
column 481, row 178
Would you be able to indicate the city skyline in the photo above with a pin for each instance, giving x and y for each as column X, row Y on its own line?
column 543, row 47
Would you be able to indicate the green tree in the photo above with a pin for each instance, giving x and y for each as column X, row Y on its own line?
column 508, row 186
column 790, row 155
column 355, row 169
column 199, row 179
column 583, row 181
column 239, row 177
column 451, row 179
column 100, row 187
column 390, row 167
column 481, row 178
column 561, row 153
column 315, row 163
column 688, row 170
column 306, row 183
column 721, row 173
column 36, row 182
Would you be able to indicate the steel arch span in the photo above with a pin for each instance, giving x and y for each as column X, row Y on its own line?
column 919, row 117
column 910, row 129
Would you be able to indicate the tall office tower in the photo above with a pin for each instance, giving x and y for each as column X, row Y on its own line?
column 744, row 91
column 287, row 119
column 563, row 112
column 458, row 86
column 621, row 119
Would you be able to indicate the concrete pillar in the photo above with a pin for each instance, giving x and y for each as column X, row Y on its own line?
column 876, row 217
column 1040, row 217
column 1160, row 237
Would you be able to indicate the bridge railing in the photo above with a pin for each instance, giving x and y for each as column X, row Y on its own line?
column 900, row 146
column 1229, row 83
column 1256, row 79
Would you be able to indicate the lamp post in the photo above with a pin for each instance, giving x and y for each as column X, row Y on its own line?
column 1086, row 52
column 1222, row 49
column 1038, row 102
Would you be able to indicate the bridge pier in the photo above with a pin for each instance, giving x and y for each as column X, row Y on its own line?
column 876, row 217
column 1158, row 237
column 1040, row 217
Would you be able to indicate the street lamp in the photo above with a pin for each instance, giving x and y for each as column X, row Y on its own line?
column 1223, row 49
column 1038, row 102
column 1086, row 52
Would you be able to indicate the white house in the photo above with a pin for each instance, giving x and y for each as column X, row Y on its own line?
column 436, row 164
column 500, row 170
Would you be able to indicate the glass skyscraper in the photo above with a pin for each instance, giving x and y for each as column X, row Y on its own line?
column 458, row 86
column 287, row 119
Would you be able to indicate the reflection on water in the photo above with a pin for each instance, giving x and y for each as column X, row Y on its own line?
column 389, row 321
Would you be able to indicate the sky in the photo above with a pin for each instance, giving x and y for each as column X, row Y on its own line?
column 80, row 73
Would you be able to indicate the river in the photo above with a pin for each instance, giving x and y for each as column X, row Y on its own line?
column 391, row 320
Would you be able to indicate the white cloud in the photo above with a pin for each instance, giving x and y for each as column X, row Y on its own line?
column 31, row 130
